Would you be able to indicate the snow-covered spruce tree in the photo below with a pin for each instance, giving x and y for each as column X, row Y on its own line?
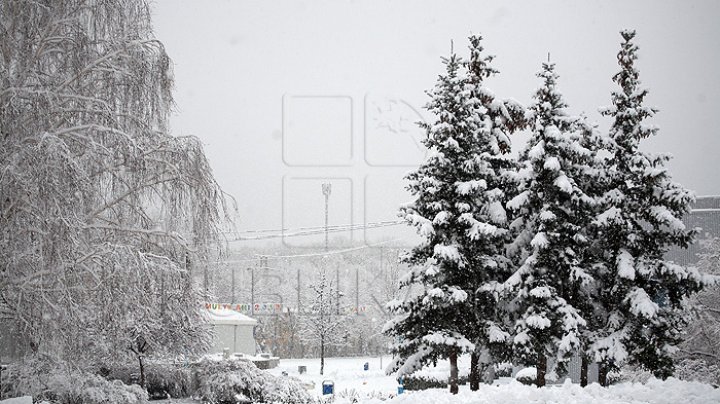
column 641, row 293
column 459, row 211
column 491, row 121
column 427, row 323
column 551, row 212
column 103, row 212
column 593, row 182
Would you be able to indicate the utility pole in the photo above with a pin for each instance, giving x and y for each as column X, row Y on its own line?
column 252, row 291
column 232, row 285
column 326, row 190
column 298, row 291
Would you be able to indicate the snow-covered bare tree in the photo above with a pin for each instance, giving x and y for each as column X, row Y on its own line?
column 641, row 293
column 323, row 325
column 103, row 213
column 552, row 213
column 702, row 337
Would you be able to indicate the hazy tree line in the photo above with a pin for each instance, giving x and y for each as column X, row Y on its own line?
column 368, row 278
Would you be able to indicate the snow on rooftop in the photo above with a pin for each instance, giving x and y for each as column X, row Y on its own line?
column 229, row 317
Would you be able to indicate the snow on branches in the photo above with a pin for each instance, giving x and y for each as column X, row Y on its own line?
column 103, row 212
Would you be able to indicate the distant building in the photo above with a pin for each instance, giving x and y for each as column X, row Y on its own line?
column 705, row 214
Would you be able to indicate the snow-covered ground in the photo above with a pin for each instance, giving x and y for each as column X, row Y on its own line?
column 346, row 373
column 672, row 391
column 374, row 387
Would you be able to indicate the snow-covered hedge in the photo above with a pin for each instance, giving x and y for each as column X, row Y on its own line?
column 232, row 381
column 51, row 381
column 424, row 382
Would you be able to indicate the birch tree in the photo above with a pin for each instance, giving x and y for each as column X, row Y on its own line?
column 102, row 212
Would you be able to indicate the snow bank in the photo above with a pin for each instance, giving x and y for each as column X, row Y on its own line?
column 18, row 400
column 671, row 391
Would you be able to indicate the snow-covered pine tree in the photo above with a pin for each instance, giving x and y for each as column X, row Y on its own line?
column 428, row 322
column 551, row 210
column 492, row 121
column 593, row 182
column 641, row 293
column 459, row 211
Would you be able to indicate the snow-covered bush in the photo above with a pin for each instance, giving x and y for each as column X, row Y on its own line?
column 232, row 381
column 355, row 396
column 503, row 369
column 629, row 374
column 424, row 382
column 54, row 382
column 527, row 376
column 162, row 380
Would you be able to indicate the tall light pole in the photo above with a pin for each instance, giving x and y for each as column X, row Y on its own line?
column 326, row 189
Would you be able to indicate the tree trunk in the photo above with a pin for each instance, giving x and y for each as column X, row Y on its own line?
column 142, row 371
column 453, row 371
column 602, row 374
column 541, row 369
column 474, row 372
column 322, row 355
column 583, row 370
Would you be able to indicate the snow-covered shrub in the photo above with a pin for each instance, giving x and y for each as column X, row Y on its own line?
column 698, row 370
column 54, row 382
column 162, row 380
column 232, row 381
column 285, row 389
column 355, row 396
column 424, row 382
column 527, row 376
column 630, row 374
column 503, row 369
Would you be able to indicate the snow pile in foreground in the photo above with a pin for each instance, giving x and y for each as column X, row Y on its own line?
column 671, row 391
column 18, row 400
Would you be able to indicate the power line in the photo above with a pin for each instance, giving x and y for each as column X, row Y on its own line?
column 313, row 227
column 319, row 254
column 318, row 231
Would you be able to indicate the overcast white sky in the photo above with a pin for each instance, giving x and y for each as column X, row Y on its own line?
column 289, row 94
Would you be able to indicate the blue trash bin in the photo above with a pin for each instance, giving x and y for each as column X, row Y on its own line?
column 328, row 387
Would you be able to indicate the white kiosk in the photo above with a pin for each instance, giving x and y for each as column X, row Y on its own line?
column 233, row 330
